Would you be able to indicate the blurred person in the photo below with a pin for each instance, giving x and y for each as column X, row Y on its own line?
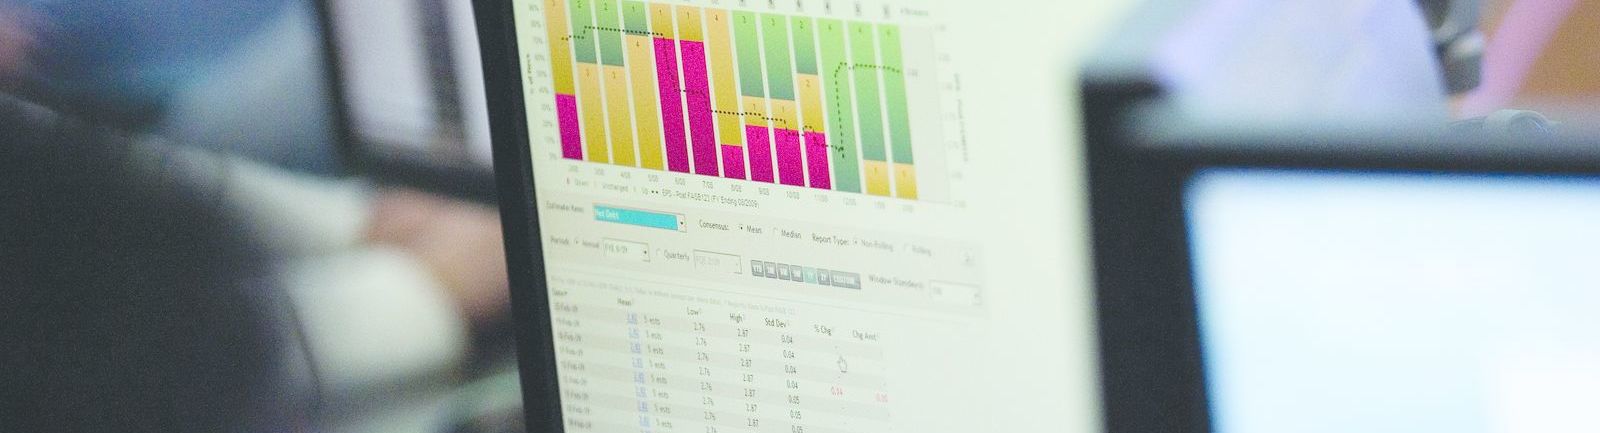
column 270, row 325
column 388, row 285
column 136, row 54
column 134, row 302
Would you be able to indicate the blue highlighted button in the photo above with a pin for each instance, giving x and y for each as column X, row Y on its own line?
column 641, row 218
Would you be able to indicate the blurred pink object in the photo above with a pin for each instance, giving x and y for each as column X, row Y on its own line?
column 1514, row 47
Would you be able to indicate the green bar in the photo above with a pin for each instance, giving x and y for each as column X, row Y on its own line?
column 841, row 123
column 635, row 18
column 776, row 30
column 610, row 31
column 894, row 92
column 805, row 52
column 867, row 93
column 749, row 49
column 583, row 32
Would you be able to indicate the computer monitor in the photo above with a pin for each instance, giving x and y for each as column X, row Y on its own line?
column 1321, row 274
column 408, row 86
column 790, row 216
column 1300, row 281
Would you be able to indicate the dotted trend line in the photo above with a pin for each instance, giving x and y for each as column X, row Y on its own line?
column 838, row 97
column 781, row 122
column 853, row 66
column 611, row 29
column 626, row 31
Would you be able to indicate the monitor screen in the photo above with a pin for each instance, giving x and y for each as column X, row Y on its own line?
column 756, row 216
column 411, row 79
column 1337, row 301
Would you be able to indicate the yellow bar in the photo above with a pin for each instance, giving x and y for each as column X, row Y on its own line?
column 811, row 102
column 755, row 110
column 784, row 114
column 689, row 24
column 877, row 176
column 646, row 103
column 617, row 110
column 661, row 21
column 905, row 181
column 719, row 44
column 593, row 115
column 557, row 31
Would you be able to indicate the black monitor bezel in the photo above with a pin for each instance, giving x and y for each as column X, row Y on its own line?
column 363, row 156
column 519, row 214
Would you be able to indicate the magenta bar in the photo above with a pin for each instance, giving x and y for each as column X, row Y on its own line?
column 791, row 167
column 697, row 89
column 671, row 105
column 760, row 149
column 567, row 114
column 732, row 161
column 817, row 160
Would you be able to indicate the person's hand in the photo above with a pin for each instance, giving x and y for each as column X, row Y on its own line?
column 459, row 242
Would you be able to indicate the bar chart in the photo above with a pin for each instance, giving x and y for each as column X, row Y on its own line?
column 811, row 101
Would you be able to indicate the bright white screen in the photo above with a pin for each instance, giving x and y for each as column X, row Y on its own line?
column 1373, row 302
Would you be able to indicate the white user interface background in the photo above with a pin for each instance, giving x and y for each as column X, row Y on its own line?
column 1022, row 361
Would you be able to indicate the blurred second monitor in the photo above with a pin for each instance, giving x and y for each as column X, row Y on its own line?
column 410, row 92
column 1287, row 239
